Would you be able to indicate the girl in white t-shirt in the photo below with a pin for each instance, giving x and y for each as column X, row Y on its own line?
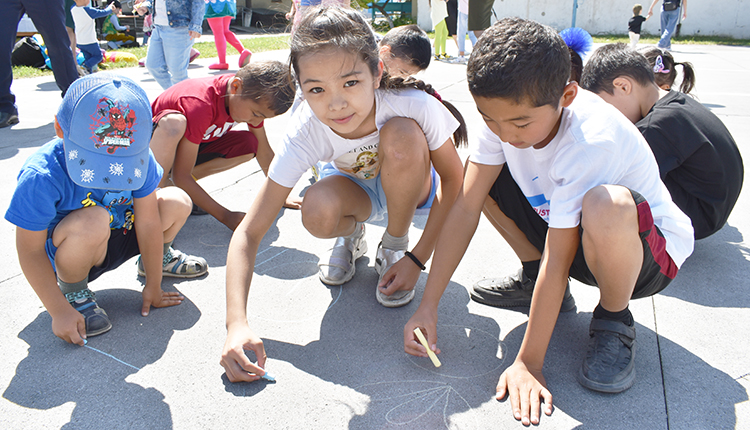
column 381, row 138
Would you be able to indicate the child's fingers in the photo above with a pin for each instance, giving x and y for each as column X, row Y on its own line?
column 80, row 334
column 502, row 387
column 547, row 401
column 260, row 353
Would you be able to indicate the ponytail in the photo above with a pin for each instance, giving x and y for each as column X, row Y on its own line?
column 460, row 137
column 688, row 77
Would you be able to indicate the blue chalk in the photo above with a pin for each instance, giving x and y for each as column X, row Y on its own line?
column 85, row 342
column 269, row 377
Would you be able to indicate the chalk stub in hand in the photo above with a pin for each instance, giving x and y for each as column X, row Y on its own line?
column 423, row 341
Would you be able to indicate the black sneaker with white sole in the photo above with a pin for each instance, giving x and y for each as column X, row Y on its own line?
column 513, row 291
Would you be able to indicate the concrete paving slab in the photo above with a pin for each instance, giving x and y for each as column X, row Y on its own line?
column 336, row 353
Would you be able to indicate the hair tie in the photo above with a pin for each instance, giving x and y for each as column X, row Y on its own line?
column 437, row 96
column 659, row 66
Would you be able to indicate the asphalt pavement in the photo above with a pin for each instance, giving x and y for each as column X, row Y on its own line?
column 336, row 353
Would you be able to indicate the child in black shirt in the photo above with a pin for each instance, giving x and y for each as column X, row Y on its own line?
column 634, row 25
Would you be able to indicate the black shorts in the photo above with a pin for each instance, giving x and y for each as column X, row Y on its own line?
column 121, row 247
column 657, row 270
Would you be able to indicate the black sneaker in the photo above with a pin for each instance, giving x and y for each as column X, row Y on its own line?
column 97, row 321
column 609, row 364
column 8, row 118
column 513, row 291
column 198, row 211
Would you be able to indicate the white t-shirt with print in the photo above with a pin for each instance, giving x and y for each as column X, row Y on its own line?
column 309, row 140
column 594, row 145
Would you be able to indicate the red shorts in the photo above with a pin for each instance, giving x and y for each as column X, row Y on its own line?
column 234, row 143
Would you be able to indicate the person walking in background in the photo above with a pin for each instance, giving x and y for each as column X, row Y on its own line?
column 86, row 40
column 176, row 25
column 148, row 20
column 219, row 13
column 438, row 13
column 463, row 29
column 670, row 16
column 48, row 17
column 634, row 25
column 480, row 15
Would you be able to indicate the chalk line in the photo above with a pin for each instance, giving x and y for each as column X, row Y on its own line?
column 442, row 390
column 416, row 360
column 112, row 357
column 269, row 259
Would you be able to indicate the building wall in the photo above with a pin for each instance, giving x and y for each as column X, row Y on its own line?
column 729, row 18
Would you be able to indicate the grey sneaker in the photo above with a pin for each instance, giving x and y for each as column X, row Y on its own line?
column 97, row 320
column 384, row 260
column 609, row 365
column 339, row 266
column 513, row 291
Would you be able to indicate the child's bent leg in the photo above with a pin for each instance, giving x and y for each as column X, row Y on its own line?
column 336, row 206
column 404, row 172
column 333, row 206
column 525, row 231
column 170, row 129
column 510, row 232
column 81, row 240
column 174, row 208
column 614, row 253
column 612, row 246
column 405, row 177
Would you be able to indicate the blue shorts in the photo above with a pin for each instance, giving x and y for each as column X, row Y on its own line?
column 374, row 190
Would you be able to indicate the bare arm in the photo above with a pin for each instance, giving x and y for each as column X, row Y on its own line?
column 523, row 381
column 448, row 165
column 455, row 235
column 651, row 9
column 182, row 175
column 150, row 242
column 67, row 323
column 684, row 9
column 243, row 249
column 404, row 274
column 265, row 155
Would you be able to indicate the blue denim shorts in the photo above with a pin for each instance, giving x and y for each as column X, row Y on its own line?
column 374, row 190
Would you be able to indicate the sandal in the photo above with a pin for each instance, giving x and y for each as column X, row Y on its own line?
column 384, row 260
column 177, row 264
column 345, row 252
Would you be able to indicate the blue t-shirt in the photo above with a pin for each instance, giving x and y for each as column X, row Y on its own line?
column 45, row 194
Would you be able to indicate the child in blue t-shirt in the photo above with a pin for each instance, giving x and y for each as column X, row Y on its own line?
column 76, row 201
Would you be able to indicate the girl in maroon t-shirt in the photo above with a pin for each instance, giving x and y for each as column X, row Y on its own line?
column 193, row 128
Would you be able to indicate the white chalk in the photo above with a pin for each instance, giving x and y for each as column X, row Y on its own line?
column 423, row 341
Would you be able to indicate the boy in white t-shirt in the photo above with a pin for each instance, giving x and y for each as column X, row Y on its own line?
column 579, row 177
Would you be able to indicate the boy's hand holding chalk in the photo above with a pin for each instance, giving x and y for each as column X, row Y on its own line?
column 423, row 341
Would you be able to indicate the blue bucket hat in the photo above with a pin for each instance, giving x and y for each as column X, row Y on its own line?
column 106, row 123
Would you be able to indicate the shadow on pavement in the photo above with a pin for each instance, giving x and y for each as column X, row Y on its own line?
column 94, row 377
column 715, row 274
